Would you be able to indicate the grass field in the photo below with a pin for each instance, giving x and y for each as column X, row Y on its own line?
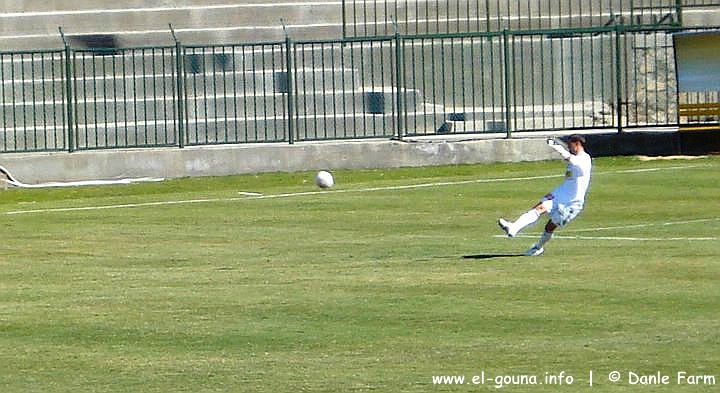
column 390, row 278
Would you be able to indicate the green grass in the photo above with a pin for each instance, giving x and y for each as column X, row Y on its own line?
column 360, row 290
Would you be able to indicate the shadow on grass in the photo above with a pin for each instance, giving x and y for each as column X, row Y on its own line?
column 490, row 256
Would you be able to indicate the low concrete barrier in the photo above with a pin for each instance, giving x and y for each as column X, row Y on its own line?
column 364, row 154
column 241, row 159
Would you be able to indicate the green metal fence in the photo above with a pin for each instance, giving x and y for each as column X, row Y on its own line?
column 124, row 98
column 611, row 77
column 384, row 17
column 34, row 104
column 344, row 89
column 458, row 77
column 387, row 86
column 235, row 93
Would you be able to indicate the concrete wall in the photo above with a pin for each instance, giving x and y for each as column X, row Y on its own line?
column 230, row 160
column 244, row 159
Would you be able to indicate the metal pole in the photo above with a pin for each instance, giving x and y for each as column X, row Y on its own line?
column 179, row 78
column 344, row 20
column 68, row 94
column 679, row 11
column 398, row 82
column 506, row 55
column 289, row 71
column 618, row 78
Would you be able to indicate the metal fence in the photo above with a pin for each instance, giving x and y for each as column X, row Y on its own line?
column 123, row 98
column 34, row 101
column 235, row 93
column 387, row 86
column 362, row 18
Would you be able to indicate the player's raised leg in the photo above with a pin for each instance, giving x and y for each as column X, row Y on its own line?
column 525, row 220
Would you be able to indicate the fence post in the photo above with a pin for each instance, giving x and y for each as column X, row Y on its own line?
column 344, row 21
column 679, row 11
column 179, row 78
column 399, row 84
column 68, row 94
column 618, row 78
column 506, row 56
column 289, row 65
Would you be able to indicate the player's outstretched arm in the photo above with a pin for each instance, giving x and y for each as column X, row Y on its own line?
column 559, row 148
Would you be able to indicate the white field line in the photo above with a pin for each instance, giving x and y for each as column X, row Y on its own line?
column 122, row 206
column 620, row 238
column 662, row 224
column 309, row 193
column 275, row 196
column 630, row 238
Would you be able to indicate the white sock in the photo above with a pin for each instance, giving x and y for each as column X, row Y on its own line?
column 526, row 219
column 544, row 238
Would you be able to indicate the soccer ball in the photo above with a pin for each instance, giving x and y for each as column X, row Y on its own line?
column 324, row 179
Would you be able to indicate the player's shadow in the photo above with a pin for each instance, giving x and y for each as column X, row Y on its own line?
column 490, row 256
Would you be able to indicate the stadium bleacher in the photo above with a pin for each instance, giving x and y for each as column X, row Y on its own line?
column 34, row 24
column 234, row 91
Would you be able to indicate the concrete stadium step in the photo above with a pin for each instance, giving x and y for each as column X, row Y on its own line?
column 40, row 140
column 210, row 131
column 307, row 127
column 442, row 120
column 142, row 23
column 470, row 15
column 230, row 15
column 188, row 35
column 427, row 120
column 588, row 114
column 14, row 6
column 261, row 82
column 110, row 110
column 472, row 24
column 272, row 81
column 708, row 15
column 229, row 23
column 199, row 58
column 520, row 125
column 372, row 59
column 329, row 102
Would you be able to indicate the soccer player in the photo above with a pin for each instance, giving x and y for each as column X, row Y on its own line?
column 563, row 203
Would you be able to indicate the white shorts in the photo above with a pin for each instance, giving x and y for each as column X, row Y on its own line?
column 560, row 214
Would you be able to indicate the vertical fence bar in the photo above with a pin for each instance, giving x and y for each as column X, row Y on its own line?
column 506, row 56
column 515, row 99
column 23, row 96
column 290, row 93
column 235, row 93
column 2, row 94
column 179, row 97
column 179, row 78
column 344, row 18
column 618, row 77
column 13, row 93
column 68, row 99
column 679, row 11
column 399, row 81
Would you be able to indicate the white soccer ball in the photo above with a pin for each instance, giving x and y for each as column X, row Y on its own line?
column 324, row 179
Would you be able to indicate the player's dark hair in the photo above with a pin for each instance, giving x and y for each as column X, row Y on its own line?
column 577, row 138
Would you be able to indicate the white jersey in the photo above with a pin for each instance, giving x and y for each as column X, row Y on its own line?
column 577, row 181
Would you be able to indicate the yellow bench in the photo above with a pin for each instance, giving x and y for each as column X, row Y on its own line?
column 706, row 109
